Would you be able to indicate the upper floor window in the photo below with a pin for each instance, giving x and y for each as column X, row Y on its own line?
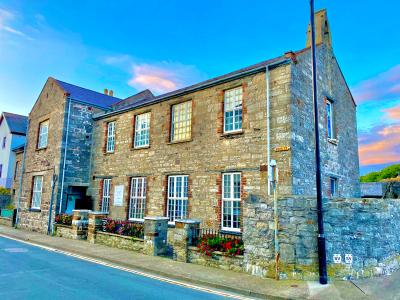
column 4, row 142
column 110, row 137
column 231, row 195
column 329, row 119
column 137, row 201
column 233, row 99
column 333, row 186
column 16, row 169
column 37, row 192
column 177, row 197
column 142, row 130
column 43, row 134
column 181, row 121
column 105, row 200
column 1, row 170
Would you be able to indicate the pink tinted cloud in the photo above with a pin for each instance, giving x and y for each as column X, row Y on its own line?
column 384, row 86
column 162, row 77
column 393, row 113
column 383, row 146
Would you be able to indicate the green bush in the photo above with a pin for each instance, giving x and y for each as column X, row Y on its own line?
column 4, row 191
column 389, row 172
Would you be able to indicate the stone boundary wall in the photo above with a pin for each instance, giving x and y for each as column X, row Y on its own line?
column 119, row 241
column 217, row 260
column 367, row 229
column 6, row 221
column 64, row 231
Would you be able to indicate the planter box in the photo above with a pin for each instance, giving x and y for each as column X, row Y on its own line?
column 119, row 241
column 217, row 260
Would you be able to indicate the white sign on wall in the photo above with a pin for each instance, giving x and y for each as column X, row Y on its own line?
column 118, row 195
column 348, row 258
column 337, row 258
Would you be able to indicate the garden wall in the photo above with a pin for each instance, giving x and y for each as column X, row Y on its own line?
column 217, row 260
column 119, row 241
column 363, row 230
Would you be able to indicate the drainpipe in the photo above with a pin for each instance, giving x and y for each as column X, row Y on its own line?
column 268, row 130
column 20, row 178
column 53, row 184
column 65, row 156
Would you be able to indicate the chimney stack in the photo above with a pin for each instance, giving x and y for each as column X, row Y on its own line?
column 322, row 31
column 105, row 91
column 111, row 93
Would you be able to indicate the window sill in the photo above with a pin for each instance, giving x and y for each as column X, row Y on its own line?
column 108, row 153
column 333, row 141
column 35, row 210
column 136, row 220
column 179, row 142
column 232, row 134
column 140, row 148
column 231, row 231
column 41, row 149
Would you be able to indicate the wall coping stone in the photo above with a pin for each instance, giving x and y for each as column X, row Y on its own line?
column 97, row 213
column 156, row 218
column 63, row 225
column 120, row 236
column 187, row 221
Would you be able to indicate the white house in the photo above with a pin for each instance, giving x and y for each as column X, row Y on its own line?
column 12, row 135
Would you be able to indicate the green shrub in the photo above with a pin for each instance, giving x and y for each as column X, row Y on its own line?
column 389, row 172
column 4, row 191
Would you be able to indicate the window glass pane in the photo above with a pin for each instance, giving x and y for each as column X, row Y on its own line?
column 231, row 201
column 177, row 197
column 43, row 133
column 329, row 120
column 233, row 109
column 181, row 127
column 142, row 130
column 110, row 136
column 137, row 198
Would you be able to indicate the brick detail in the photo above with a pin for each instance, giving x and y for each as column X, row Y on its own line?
column 220, row 114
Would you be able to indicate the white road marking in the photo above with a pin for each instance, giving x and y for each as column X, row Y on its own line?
column 110, row 265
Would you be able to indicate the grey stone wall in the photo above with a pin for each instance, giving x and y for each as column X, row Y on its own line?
column 365, row 228
column 339, row 157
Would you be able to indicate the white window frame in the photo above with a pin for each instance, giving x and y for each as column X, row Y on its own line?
column 137, row 200
column 333, row 193
column 37, row 192
column 330, row 119
column 142, row 130
column 110, row 146
column 181, row 128
column 232, row 200
column 106, row 197
column 177, row 197
column 236, row 111
column 43, row 134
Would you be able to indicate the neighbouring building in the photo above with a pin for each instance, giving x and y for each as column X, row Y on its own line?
column 12, row 134
column 200, row 152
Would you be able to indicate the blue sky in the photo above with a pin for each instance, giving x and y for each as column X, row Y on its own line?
column 130, row 45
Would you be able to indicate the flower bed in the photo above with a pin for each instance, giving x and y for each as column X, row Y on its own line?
column 124, row 228
column 210, row 243
column 63, row 219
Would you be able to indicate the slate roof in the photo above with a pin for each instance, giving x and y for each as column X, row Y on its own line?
column 16, row 123
column 141, row 96
column 88, row 96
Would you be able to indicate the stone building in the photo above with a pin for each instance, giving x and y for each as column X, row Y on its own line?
column 200, row 152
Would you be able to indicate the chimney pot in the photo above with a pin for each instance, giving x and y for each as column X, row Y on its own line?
column 111, row 93
column 105, row 91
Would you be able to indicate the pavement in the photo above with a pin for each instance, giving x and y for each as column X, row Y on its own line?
column 218, row 282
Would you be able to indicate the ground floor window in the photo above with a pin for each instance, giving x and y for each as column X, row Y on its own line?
column 137, row 202
column 177, row 197
column 105, row 201
column 37, row 192
column 333, row 186
column 231, row 201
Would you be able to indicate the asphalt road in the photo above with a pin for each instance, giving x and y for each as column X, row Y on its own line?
column 29, row 272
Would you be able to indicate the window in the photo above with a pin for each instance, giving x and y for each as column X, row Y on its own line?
column 329, row 119
column 1, row 170
column 137, row 198
column 105, row 201
column 231, row 202
column 333, row 186
column 142, row 130
column 37, row 192
column 233, row 109
column 177, row 197
column 4, row 142
column 110, row 137
column 181, row 124
column 43, row 134
column 16, row 169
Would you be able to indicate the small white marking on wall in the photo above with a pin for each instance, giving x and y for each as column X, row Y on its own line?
column 337, row 258
column 348, row 258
